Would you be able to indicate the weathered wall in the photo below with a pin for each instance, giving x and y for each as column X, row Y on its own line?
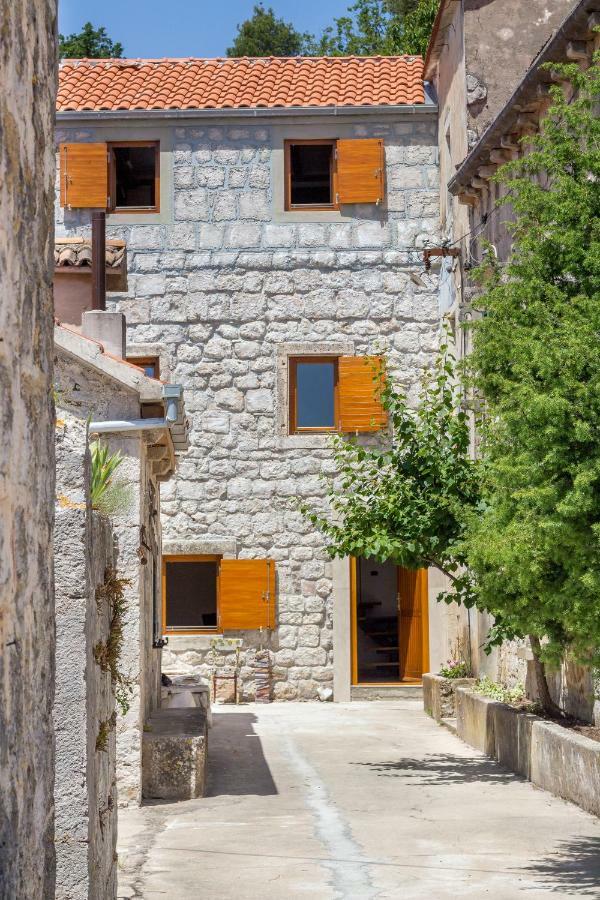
column 502, row 38
column 83, row 392
column 226, row 283
column 28, row 65
column 85, row 789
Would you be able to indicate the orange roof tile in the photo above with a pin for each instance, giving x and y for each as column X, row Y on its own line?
column 270, row 82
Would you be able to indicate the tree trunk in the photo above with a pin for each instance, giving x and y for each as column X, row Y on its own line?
column 541, row 689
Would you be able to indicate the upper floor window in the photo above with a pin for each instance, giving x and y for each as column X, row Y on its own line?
column 121, row 177
column 150, row 365
column 134, row 176
column 325, row 174
column 335, row 393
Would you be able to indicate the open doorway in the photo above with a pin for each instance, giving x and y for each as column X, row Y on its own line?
column 389, row 623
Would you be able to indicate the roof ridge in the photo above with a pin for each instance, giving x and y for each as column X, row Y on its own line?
column 133, row 60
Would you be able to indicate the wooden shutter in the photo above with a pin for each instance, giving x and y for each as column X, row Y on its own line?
column 360, row 171
column 246, row 594
column 359, row 394
column 412, row 621
column 84, row 176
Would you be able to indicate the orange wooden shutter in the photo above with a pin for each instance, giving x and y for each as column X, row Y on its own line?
column 412, row 619
column 360, row 171
column 359, row 390
column 84, row 176
column 246, row 594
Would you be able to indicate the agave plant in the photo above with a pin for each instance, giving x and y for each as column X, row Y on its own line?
column 104, row 466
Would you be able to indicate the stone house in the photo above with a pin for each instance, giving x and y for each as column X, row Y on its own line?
column 474, row 141
column 275, row 213
column 101, row 396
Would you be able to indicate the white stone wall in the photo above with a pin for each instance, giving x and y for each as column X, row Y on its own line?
column 222, row 287
column 83, row 392
column 28, row 88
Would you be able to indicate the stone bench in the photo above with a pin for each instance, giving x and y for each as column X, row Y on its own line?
column 174, row 750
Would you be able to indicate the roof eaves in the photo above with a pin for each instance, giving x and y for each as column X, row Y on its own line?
column 553, row 51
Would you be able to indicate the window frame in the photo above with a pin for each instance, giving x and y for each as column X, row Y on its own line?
column 112, row 209
column 287, row 174
column 142, row 361
column 188, row 558
column 293, row 427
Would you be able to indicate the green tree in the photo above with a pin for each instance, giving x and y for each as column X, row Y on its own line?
column 535, row 549
column 265, row 35
column 407, row 500
column 380, row 27
column 90, row 43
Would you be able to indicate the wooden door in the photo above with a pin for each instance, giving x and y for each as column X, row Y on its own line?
column 413, row 624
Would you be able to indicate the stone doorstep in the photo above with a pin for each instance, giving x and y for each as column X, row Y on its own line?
column 174, row 749
column 560, row 761
column 386, row 692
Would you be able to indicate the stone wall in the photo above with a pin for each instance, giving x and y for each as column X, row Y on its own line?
column 28, row 64
column 83, row 392
column 228, row 285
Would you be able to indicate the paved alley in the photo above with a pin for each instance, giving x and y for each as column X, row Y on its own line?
column 362, row 800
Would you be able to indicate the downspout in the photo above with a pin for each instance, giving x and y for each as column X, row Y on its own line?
column 172, row 394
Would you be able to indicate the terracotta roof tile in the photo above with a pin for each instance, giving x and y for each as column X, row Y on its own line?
column 270, row 82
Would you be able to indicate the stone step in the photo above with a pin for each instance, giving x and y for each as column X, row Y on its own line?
column 387, row 692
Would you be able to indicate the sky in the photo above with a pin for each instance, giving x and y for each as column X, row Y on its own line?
column 156, row 28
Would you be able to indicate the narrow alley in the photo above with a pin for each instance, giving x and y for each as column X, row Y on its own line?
column 361, row 800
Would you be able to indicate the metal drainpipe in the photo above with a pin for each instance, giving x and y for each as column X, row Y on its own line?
column 99, row 260
column 171, row 394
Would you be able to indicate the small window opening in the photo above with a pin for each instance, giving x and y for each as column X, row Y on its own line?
column 313, row 394
column 191, row 594
column 134, row 177
column 310, row 174
column 150, row 365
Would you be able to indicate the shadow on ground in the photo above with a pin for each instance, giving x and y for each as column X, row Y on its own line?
column 573, row 868
column 236, row 762
column 444, row 768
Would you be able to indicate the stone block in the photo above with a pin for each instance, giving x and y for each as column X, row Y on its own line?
column 439, row 695
column 191, row 205
column 174, row 749
column 255, row 205
column 242, row 236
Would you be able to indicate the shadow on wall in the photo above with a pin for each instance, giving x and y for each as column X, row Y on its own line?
column 573, row 868
column 236, row 762
column 445, row 768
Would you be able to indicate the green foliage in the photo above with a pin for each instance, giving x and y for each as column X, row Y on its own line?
column 108, row 653
column 535, row 549
column 380, row 27
column 90, row 43
column 265, row 35
column 456, row 668
column 104, row 466
column 406, row 500
column 105, row 726
column 488, row 688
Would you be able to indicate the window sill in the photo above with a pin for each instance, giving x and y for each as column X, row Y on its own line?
column 191, row 641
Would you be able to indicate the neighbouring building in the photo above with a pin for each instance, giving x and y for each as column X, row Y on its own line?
column 471, row 151
column 103, row 397
column 275, row 213
column 27, row 451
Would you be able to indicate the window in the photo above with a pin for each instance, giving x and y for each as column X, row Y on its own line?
column 150, row 365
column 335, row 393
column 134, row 176
column 203, row 593
column 313, row 393
column 190, row 593
column 310, row 174
column 326, row 174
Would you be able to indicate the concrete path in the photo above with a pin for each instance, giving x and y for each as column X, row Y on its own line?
column 361, row 800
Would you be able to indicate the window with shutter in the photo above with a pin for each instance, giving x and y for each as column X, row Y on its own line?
column 360, row 171
column 246, row 594
column 359, row 393
column 84, row 176
column 190, row 593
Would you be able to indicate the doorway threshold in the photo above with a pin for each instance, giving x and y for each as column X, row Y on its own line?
column 398, row 691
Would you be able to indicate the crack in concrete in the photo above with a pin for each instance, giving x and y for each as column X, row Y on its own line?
column 333, row 832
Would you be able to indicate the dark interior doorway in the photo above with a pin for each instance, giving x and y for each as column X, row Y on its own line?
column 390, row 624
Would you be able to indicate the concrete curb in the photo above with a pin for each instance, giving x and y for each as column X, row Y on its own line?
column 439, row 695
column 562, row 762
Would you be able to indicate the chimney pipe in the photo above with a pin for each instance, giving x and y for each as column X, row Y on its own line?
column 98, row 260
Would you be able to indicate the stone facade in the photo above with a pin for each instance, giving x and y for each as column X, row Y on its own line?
column 28, row 62
column 229, row 283
column 84, row 712
column 83, row 392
